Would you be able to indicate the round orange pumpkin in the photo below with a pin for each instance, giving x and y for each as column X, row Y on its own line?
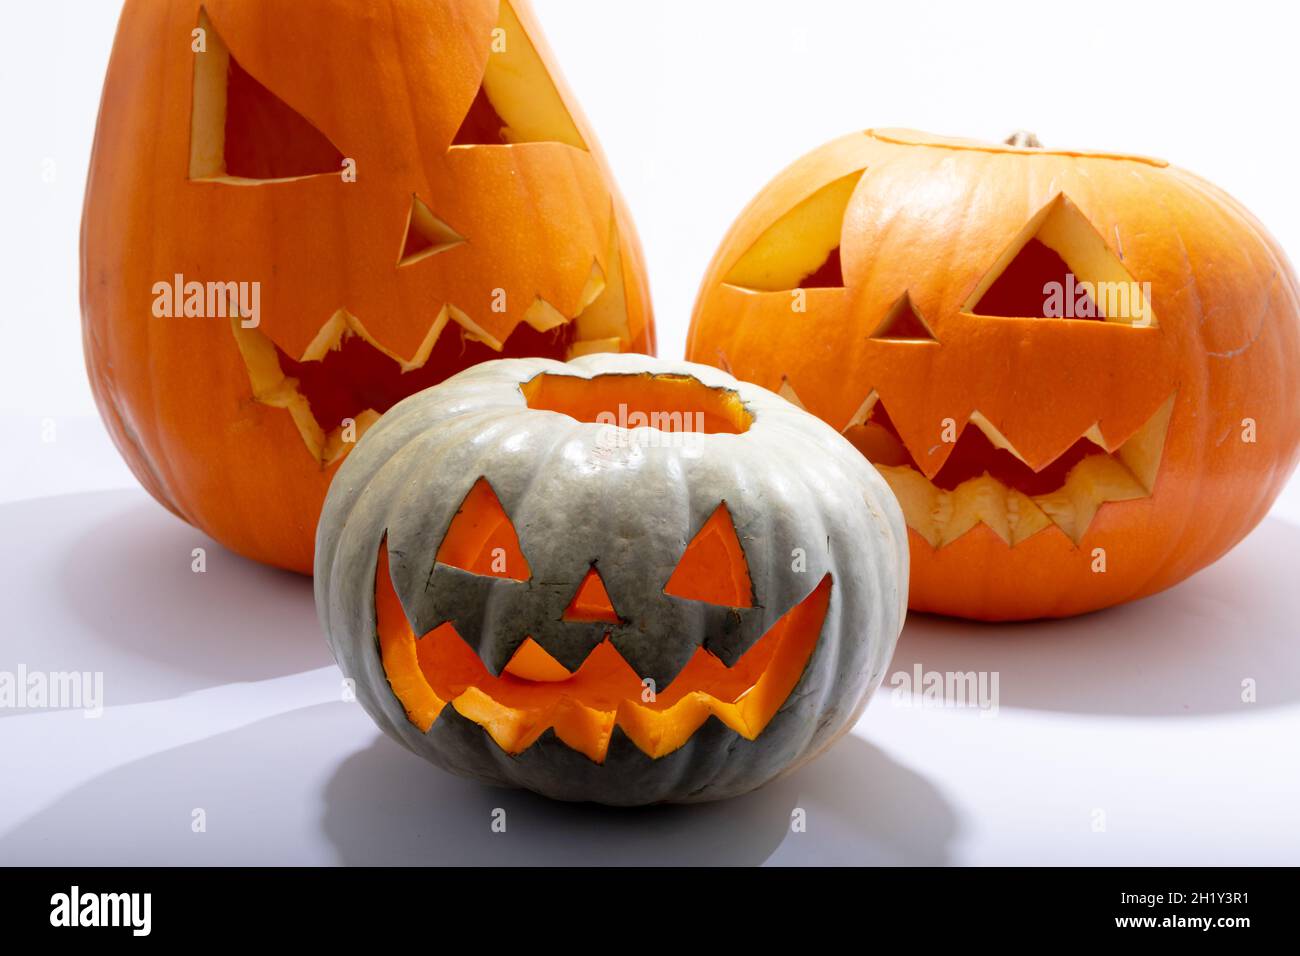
column 298, row 213
column 1078, row 371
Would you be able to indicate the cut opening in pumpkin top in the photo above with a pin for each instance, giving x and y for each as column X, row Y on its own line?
column 670, row 403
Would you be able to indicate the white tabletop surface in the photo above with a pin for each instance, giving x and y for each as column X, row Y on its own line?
column 1119, row 738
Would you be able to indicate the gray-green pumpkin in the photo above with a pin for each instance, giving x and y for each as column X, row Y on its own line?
column 620, row 579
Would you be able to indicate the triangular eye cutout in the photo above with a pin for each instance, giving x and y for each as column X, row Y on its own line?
column 1018, row 291
column 481, row 539
column 240, row 130
column 904, row 323
column 713, row 569
column 1060, row 267
column 426, row 234
column 517, row 101
column 591, row 601
column 801, row 250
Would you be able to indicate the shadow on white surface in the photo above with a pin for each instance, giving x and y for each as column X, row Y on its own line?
column 102, row 581
column 1183, row 651
column 386, row 806
column 270, row 790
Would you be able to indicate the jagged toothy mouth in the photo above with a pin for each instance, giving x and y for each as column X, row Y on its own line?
column 985, row 479
column 345, row 376
column 345, row 379
column 534, row 693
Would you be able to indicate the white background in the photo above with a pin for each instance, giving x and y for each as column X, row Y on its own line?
column 221, row 694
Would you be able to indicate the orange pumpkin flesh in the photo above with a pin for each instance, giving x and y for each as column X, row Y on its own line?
column 481, row 538
column 713, row 567
column 641, row 399
column 471, row 232
column 590, row 602
column 1109, row 455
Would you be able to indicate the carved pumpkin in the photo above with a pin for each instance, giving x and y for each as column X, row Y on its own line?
column 402, row 190
column 537, row 577
column 1078, row 371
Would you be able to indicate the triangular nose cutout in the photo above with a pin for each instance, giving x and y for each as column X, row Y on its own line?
column 426, row 234
column 591, row 601
column 713, row 569
column 904, row 323
column 239, row 129
column 1060, row 267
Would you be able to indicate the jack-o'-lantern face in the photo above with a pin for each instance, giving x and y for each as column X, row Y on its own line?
column 399, row 195
column 1049, row 356
column 528, row 592
column 576, row 666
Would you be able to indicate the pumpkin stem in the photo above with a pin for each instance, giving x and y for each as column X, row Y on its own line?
column 1022, row 137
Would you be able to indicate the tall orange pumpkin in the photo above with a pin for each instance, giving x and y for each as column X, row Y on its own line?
column 301, row 211
column 1079, row 372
